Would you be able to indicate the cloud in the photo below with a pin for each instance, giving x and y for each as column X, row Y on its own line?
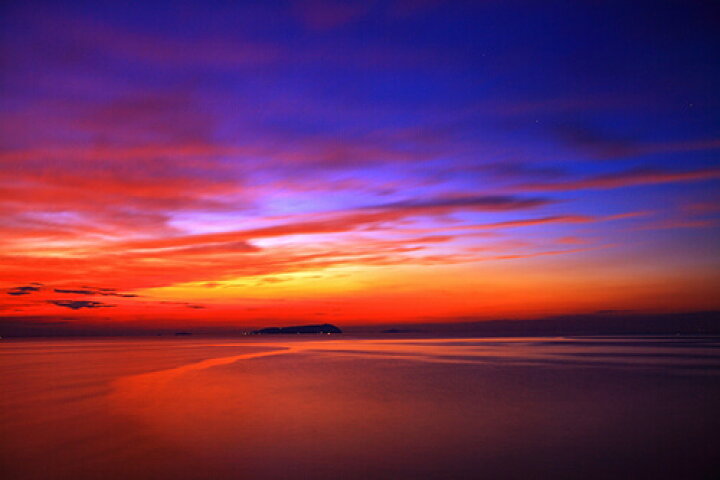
column 517, row 169
column 329, row 14
column 365, row 218
column 627, row 178
column 194, row 306
column 406, row 8
column 106, row 292
column 220, row 248
column 225, row 255
column 678, row 223
column 545, row 253
column 25, row 290
column 75, row 292
column 482, row 203
column 607, row 146
column 126, row 191
column 536, row 221
column 572, row 240
column 80, row 40
column 599, row 143
column 78, row 304
column 143, row 269
column 527, row 222
column 702, row 207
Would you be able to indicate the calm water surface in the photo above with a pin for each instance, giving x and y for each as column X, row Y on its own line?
column 360, row 408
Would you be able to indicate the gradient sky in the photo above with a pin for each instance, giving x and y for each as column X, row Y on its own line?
column 169, row 164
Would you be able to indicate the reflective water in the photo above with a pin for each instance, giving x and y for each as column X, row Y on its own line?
column 360, row 408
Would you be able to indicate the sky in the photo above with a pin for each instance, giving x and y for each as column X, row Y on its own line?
column 209, row 164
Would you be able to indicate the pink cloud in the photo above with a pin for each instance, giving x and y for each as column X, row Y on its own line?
column 627, row 178
column 329, row 14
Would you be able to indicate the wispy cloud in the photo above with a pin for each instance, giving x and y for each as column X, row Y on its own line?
column 99, row 291
column 24, row 290
column 626, row 178
column 292, row 141
column 482, row 203
column 329, row 14
column 79, row 304
column 608, row 146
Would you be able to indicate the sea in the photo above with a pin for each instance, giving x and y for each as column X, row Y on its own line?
column 389, row 406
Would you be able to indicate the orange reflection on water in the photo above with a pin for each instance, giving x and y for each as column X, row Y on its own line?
column 286, row 407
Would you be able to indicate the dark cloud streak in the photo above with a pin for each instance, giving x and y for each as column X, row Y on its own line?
column 105, row 292
column 78, row 304
column 25, row 290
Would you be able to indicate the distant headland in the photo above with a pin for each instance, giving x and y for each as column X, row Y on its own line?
column 324, row 328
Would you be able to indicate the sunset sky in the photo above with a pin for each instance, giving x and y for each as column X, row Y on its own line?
column 207, row 164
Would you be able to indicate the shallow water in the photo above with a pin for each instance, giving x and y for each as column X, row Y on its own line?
column 359, row 408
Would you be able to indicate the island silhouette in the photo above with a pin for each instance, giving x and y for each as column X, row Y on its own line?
column 324, row 328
